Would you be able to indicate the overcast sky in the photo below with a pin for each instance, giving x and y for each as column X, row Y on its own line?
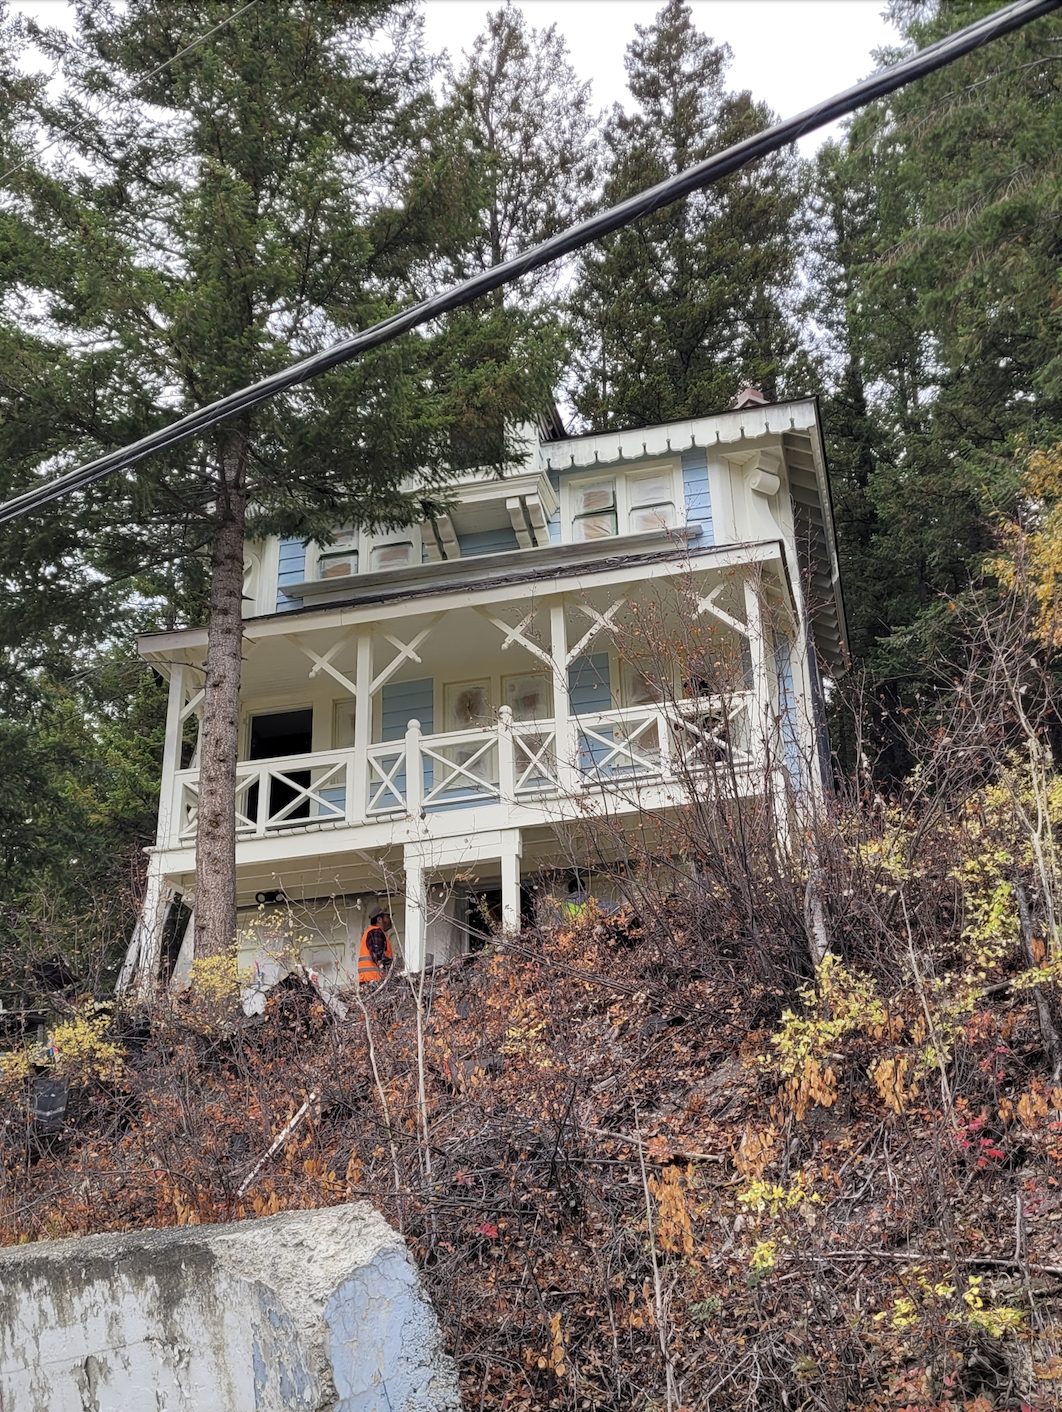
column 790, row 53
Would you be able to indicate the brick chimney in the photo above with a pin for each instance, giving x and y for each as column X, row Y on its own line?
column 749, row 397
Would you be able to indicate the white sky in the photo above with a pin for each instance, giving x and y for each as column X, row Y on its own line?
column 790, row 53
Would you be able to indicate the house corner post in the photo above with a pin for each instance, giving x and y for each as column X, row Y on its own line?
column 358, row 800
column 564, row 737
column 506, row 757
column 764, row 728
column 414, row 938
column 157, row 896
column 510, row 880
column 169, row 807
column 414, row 770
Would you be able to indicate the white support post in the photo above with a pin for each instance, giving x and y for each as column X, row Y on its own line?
column 358, row 796
column 510, row 881
column 567, row 773
column 157, row 897
column 762, row 718
column 265, row 789
column 506, row 757
column 413, row 941
column 169, row 807
column 414, row 770
column 765, row 742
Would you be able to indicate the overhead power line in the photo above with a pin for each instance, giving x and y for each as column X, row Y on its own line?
column 771, row 139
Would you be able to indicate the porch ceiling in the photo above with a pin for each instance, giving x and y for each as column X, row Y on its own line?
column 403, row 611
column 466, row 643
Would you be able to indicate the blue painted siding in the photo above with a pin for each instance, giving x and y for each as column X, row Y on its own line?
column 405, row 701
column 494, row 541
column 400, row 703
column 589, row 691
column 588, row 684
column 292, row 570
column 697, row 493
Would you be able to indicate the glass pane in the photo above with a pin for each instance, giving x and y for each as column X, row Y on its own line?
column 343, row 725
column 391, row 556
column 528, row 697
column 639, row 687
column 337, row 566
column 600, row 495
column 651, row 490
column 595, row 526
column 467, row 705
column 652, row 517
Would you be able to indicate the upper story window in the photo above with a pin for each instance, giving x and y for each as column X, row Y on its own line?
column 652, row 505
column 594, row 510
column 339, row 558
column 645, row 501
column 392, row 556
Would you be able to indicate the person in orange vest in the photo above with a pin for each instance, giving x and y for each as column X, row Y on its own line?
column 374, row 954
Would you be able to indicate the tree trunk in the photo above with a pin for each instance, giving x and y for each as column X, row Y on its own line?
column 215, row 853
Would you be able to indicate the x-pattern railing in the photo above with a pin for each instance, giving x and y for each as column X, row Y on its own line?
column 625, row 741
column 512, row 760
column 535, row 760
column 387, row 780
column 473, row 778
column 305, row 796
column 705, row 735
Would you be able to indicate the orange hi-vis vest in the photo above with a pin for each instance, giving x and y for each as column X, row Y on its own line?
column 368, row 969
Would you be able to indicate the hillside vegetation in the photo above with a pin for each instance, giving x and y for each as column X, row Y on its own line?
column 668, row 1162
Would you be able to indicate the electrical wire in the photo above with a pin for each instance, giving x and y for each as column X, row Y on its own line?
column 885, row 81
column 152, row 73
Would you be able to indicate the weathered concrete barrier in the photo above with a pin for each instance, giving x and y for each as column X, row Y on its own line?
column 312, row 1310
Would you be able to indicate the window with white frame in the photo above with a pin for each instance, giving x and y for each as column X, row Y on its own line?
column 392, row 556
column 528, row 696
column 643, row 502
column 343, row 724
column 340, row 558
column 651, row 501
column 594, row 510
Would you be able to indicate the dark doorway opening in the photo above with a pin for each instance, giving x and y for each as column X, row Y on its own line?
column 273, row 736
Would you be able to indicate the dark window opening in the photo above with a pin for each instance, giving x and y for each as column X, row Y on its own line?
column 273, row 736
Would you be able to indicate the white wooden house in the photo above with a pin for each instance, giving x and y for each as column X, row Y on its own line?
column 427, row 714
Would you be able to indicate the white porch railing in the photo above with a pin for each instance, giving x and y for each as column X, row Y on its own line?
column 503, row 763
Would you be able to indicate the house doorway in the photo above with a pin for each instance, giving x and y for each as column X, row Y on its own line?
column 274, row 735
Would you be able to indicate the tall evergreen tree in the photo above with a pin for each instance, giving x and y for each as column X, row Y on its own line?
column 518, row 113
column 231, row 191
column 675, row 312
column 941, row 249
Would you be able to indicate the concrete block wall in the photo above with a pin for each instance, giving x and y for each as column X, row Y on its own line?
column 309, row 1310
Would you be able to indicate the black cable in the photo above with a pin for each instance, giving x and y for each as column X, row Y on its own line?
column 926, row 61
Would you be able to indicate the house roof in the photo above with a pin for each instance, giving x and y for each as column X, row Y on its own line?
column 797, row 425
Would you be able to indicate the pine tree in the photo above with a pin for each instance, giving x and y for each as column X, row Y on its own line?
column 940, row 284
column 231, row 192
column 675, row 312
column 521, row 119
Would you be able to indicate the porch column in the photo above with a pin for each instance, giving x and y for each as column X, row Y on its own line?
column 171, row 752
column 510, row 880
column 413, row 941
column 359, row 790
column 147, row 938
column 562, row 719
column 766, row 742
